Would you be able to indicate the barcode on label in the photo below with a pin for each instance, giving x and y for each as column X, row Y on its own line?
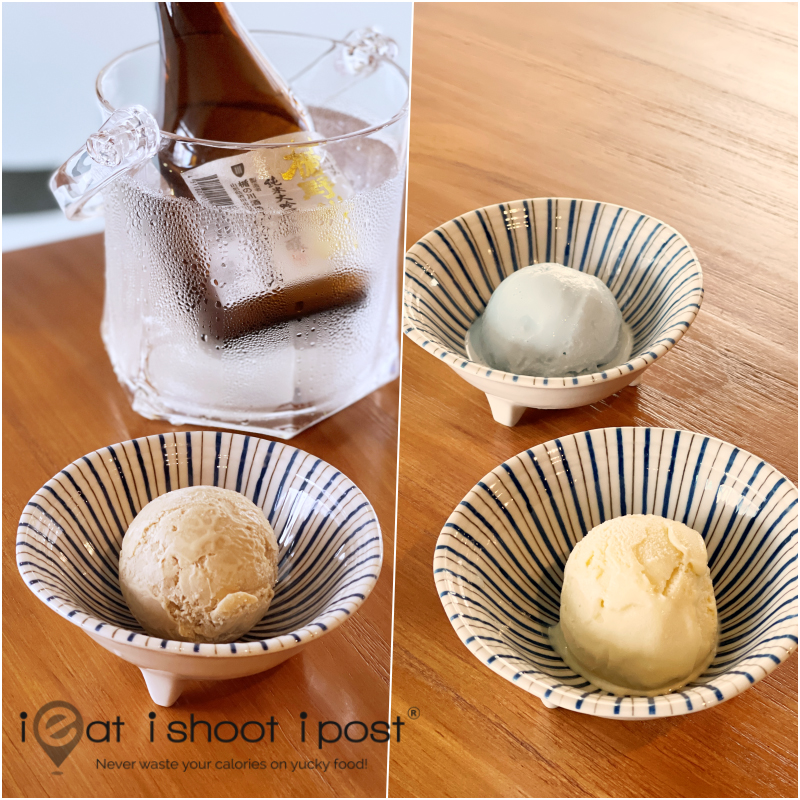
column 212, row 190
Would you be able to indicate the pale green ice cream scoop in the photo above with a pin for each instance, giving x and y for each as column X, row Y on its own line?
column 199, row 565
column 550, row 321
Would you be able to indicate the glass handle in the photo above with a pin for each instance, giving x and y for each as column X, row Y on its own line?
column 364, row 48
column 356, row 57
column 129, row 137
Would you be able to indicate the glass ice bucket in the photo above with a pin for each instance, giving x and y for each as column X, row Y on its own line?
column 268, row 299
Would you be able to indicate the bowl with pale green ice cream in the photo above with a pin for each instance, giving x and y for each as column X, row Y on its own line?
column 550, row 302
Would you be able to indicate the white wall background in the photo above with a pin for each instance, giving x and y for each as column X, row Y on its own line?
column 52, row 53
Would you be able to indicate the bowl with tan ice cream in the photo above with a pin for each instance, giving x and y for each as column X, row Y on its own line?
column 303, row 555
column 629, row 573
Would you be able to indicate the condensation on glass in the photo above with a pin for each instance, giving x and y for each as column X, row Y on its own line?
column 258, row 304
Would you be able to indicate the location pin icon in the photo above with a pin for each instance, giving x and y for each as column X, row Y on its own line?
column 58, row 727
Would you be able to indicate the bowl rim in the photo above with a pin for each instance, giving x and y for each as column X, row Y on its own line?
column 458, row 362
column 97, row 628
column 552, row 694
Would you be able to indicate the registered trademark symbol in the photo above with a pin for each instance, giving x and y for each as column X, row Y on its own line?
column 414, row 712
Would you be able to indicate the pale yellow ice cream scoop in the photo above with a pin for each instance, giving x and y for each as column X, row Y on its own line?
column 199, row 565
column 638, row 614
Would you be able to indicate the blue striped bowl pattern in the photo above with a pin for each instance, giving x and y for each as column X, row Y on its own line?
column 70, row 535
column 499, row 561
column 452, row 271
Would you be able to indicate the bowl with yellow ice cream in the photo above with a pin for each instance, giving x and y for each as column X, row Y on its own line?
column 628, row 573
column 200, row 605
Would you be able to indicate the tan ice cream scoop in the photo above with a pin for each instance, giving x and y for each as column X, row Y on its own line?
column 638, row 614
column 199, row 565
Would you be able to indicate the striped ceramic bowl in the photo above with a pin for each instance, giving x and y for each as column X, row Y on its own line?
column 500, row 557
column 451, row 272
column 70, row 535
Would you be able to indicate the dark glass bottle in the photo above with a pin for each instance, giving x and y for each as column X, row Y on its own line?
column 218, row 86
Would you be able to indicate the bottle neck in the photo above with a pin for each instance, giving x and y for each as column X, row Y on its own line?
column 193, row 19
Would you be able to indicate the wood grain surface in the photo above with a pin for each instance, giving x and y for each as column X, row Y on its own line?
column 687, row 112
column 61, row 400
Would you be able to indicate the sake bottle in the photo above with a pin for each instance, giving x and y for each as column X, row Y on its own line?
column 218, row 86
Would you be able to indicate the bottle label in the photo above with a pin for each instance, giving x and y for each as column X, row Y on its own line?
column 304, row 253
column 288, row 178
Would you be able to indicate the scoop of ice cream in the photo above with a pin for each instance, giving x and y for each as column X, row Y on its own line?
column 550, row 321
column 638, row 614
column 199, row 565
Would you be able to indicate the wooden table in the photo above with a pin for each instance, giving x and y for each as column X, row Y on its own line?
column 61, row 400
column 687, row 113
